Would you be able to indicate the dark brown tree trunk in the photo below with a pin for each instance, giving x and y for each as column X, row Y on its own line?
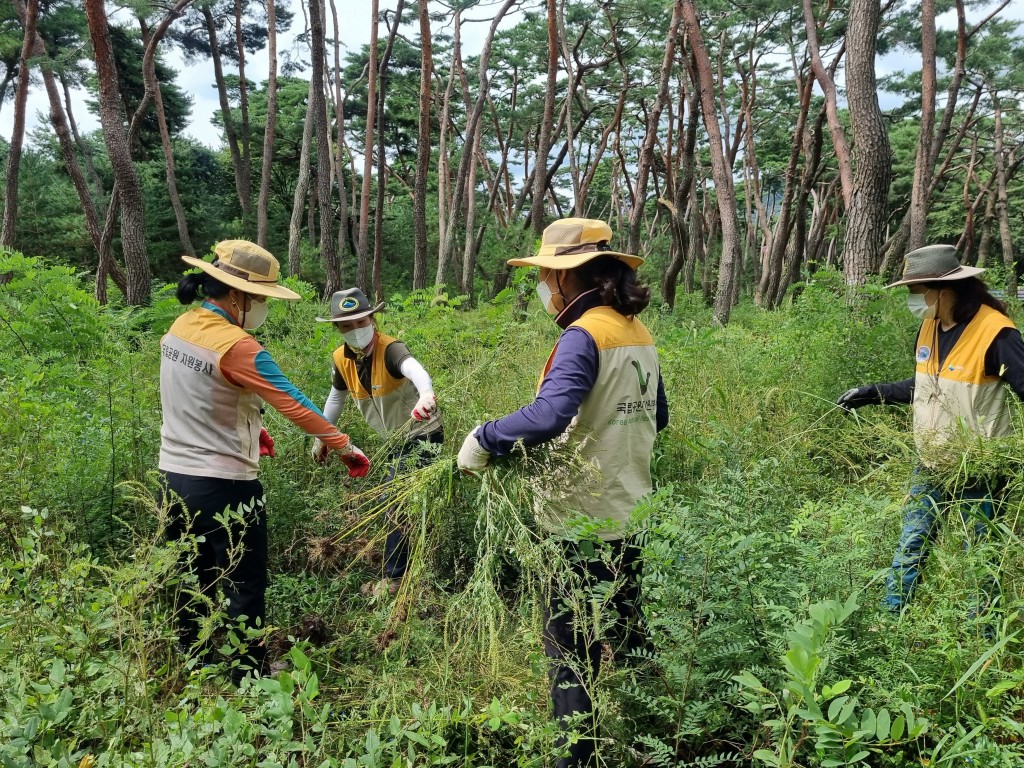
column 828, row 87
column 263, row 203
column 651, row 130
column 165, row 143
column 1002, row 217
column 242, row 180
column 18, row 130
column 318, row 108
column 243, row 109
column 378, row 221
column 866, row 214
column 301, row 187
column 344, row 241
column 419, row 198
column 362, row 242
column 722, row 173
column 922, row 164
column 119, row 150
column 544, row 137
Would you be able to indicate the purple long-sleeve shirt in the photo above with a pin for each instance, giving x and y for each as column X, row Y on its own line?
column 572, row 375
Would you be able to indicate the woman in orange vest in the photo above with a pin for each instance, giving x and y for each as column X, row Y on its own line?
column 966, row 350
column 214, row 380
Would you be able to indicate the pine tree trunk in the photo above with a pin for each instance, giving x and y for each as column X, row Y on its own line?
column 1002, row 217
column 318, row 108
column 362, row 243
column 721, row 171
column 133, row 222
column 263, row 202
column 419, row 198
column 301, row 188
column 866, row 214
column 18, row 130
column 242, row 181
column 243, row 109
column 544, row 138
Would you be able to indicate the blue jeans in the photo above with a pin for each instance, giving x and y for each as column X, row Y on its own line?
column 920, row 526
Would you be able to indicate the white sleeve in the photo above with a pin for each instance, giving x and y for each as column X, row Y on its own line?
column 414, row 372
column 335, row 402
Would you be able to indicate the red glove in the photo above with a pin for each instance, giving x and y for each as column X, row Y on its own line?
column 266, row 443
column 356, row 461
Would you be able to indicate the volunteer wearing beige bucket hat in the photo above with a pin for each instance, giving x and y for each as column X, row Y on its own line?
column 214, row 378
column 967, row 349
column 601, row 394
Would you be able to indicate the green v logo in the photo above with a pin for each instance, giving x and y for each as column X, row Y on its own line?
column 645, row 380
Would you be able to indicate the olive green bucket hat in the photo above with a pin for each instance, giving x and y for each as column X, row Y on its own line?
column 350, row 304
column 933, row 264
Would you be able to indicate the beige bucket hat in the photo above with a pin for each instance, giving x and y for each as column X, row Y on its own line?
column 568, row 243
column 247, row 267
column 934, row 264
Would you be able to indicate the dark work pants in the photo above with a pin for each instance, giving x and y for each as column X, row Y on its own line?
column 572, row 640
column 405, row 458
column 232, row 557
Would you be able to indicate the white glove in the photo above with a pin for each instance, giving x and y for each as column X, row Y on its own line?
column 424, row 407
column 472, row 458
column 320, row 451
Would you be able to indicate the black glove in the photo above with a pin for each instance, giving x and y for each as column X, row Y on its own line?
column 858, row 396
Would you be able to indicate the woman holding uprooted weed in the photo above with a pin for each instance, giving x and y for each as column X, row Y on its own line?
column 391, row 391
column 601, row 392
column 966, row 350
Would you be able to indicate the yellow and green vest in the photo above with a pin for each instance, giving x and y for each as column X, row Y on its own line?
column 616, row 425
column 211, row 428
column 388, row 406
column 961, row 393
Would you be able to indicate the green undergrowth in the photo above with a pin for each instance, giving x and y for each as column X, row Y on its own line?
column 766, row 545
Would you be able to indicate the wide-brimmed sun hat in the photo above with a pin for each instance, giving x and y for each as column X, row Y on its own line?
column 349, row 304
column 568, row 243
column 934, row 264
column 247, row 267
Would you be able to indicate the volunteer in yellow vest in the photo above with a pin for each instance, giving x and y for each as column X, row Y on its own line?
column 601, row 391
column 392, row 392
column 967, row 349
column 214, row 379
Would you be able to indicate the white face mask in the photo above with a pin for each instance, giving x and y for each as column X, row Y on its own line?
column 256, row 315
column 360, row 338
column 917, row 303
column 544, row 292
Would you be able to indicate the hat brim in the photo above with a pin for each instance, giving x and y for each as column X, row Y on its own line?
column 356, row 316
column 271, row 290
column 574, row 260
column 960, row 274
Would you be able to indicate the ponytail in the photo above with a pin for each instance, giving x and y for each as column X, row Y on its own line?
column 616, row 283
column 199, row 285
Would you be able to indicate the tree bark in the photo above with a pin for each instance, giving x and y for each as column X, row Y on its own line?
column 362, row 243
column 866, row 213
column 301, row 187
column 318, row 108
column 544, row 138
column 419, row 198
column 242, row 181
column 149, row 75
column 18, row 130
column 653, row 125
column 119, row 150
column 243, row 109
column 721, row 171
column 828, row 87
column 344, row 241
column 378, row 221
column 922, row 164
column 263, row 203
column 1002, row 217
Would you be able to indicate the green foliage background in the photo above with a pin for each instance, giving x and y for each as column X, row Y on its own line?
column 774, row 519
